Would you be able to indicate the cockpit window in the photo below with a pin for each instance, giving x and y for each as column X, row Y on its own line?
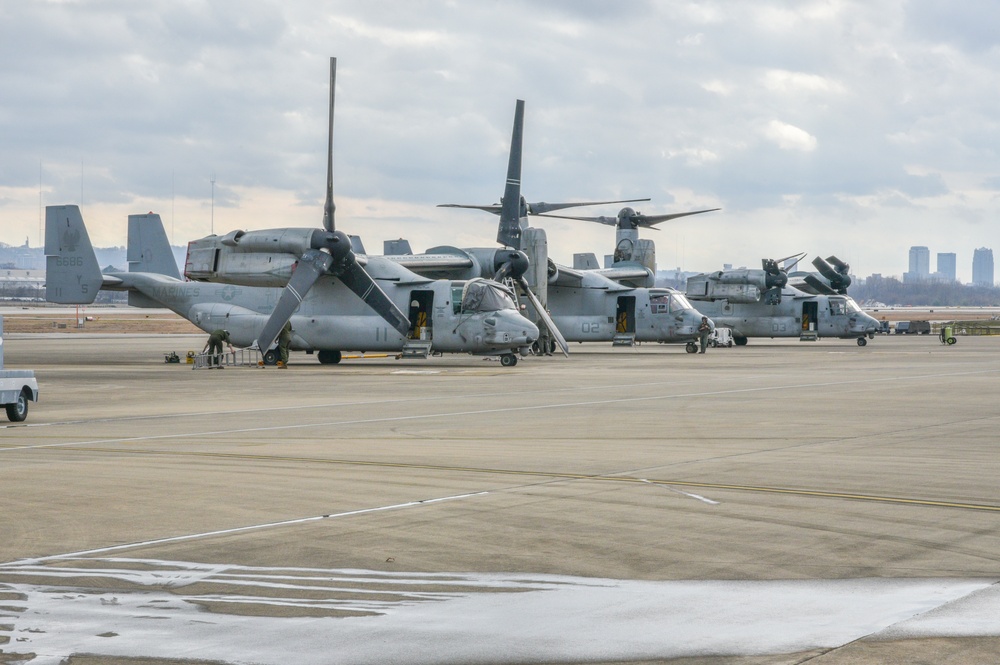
column 678, row 302
column 661, row 302
column 482, row 295
column 852, row 306
column 838, row 307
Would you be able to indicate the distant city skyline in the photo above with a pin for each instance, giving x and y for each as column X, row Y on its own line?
column 947, row 266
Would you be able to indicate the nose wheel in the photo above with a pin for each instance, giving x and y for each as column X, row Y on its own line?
column 862, row 341
column 508, row 360
column 691, row 347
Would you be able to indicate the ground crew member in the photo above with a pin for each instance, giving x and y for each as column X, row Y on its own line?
column 284, row 339
column 214, row 345
column 704, row 330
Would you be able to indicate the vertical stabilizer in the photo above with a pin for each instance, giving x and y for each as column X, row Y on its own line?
column 148, row 247
column 72, row 274
column 509, row 232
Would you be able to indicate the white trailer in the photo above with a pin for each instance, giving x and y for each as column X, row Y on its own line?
column 17, row 387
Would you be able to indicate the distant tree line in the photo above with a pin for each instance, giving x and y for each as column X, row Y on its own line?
column 891, row 291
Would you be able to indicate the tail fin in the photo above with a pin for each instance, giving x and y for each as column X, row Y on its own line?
column 148, row 247
column 509, row 231
column 72, row 274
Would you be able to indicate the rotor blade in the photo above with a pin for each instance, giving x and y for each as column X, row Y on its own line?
column 798, row 257
column 360, row 282
column 329, row 208
column 649, row 220
column 509, row 228
column 825, row 269
column 542, row 207
column 494, row 208
column 310, row 266
column 610, row 221
column 838, row 265
column 544, row 316
column 819, row 285
column 639, row 220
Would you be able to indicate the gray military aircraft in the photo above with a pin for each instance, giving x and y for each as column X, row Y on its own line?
column 585, row 306
column 753, row 303
column 761, row 303
column 475, row 316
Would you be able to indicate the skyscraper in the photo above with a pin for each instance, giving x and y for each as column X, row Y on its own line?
column 920, row 264
column 982, row 267
column 946, row 266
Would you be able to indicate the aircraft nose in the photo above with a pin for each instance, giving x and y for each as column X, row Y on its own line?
column 514, row 330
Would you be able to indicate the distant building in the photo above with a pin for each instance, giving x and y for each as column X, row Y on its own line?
column 982, row 267
column 920, row 263
column 946, row 267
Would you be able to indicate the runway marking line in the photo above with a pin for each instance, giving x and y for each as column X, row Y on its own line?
column 241, row 529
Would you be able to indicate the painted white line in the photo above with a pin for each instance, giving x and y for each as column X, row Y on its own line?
column 674, row 489
column 240, row 529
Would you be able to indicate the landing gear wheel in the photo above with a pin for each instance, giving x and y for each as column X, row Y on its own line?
column 740, row 340
column 328, row 357
column 271, row 357
column 508, row 360
column 862, row 341
column 691, row 347
column 18, row 411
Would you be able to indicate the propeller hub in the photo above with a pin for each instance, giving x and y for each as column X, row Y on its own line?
column 337, row 243
column 510, row 263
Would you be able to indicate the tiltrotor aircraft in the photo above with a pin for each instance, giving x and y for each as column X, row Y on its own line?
column 585, row 306
column 335, row 299
column 474, row 316
column 753, row 303
column 760, row 303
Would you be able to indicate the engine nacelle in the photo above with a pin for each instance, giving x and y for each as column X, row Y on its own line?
column 756, row 278
column 709, row 287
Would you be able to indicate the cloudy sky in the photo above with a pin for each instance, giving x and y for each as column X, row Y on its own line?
column 831, row 127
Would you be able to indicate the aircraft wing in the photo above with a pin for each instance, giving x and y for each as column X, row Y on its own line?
column 625, row 274
column 436, row 264
column 586, row 279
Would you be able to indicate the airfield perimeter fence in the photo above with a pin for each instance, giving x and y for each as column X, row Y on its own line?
column 986, row 327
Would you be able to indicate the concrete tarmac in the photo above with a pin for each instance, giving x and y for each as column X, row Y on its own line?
column 792, row 501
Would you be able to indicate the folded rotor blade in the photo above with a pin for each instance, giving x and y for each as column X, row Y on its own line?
column 825, row 269
column 312, row 264
column 544, row 316
column 818, row 285
column 838, row 265
column 360, row 282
